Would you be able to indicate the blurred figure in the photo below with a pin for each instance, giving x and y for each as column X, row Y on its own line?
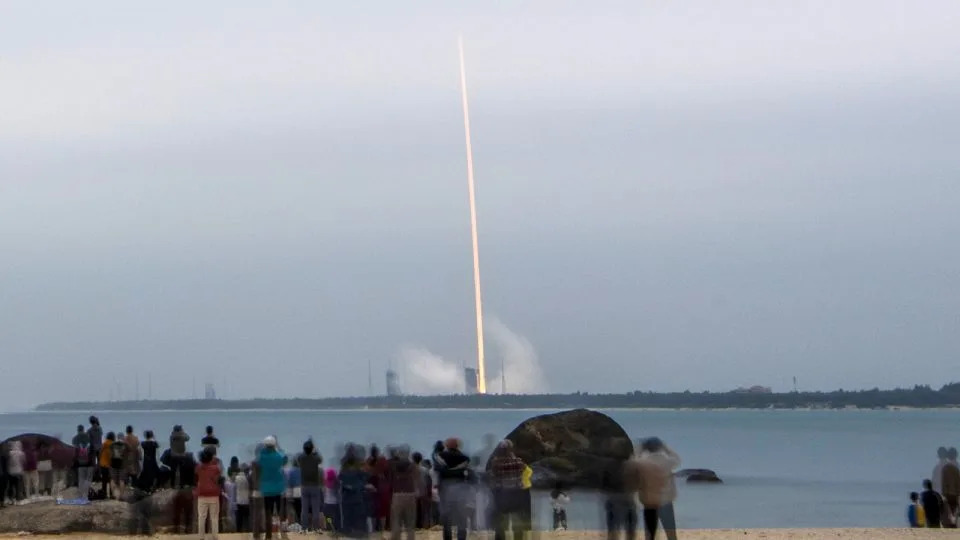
column 105, row 458
column 424, row 497
column 131, row 457
column 655, row 466
column 311, row 492
column 619, row 488
column 937, row 476
column 331, row 500
column 151, row 468
column 951, row 489
column 453, row 470
column 405, row 479
column 183, row 501
column 559, row 501
column 932, row 504
column 95, row 433
column 118, row 453
column 916, row 517
column 257, row 517
column 16, row 460
column 241, row 482
column 84, row 461
column 178, row 449
column 294, row 492
column 509, row 497
column 208, row 495
column 210, row 441
column 45, row 468
column 272, row 482
column 354, row 487
column 379, row 507
column 234, row 468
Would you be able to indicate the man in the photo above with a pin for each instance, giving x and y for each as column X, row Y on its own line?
column 311, row 487
column 425, row 494
column 95, row 432
column 210, row 441
column 950, row 481
column 453, row 471
column 656, row 487
column 506, row 485
column 932, row 503
column 183, row 503
column 178, row 450
column 82, row 459
column 405, row 478
column 131, row 456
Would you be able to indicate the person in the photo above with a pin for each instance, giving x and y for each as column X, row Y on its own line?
column 131, row 457
column 331, row 500
column 242, row 487
column 294, row 491
column 932, row 503
column 506, row 485
column 619, row 489
column 234, row 468
column 404, row 478
column 950, row 482
column 118, row 454
column 656, row 487
column 272, row 481
column 379, row 507
column 16, row 460
column 257, row 525
column 354, row 485
column 310, row 462
column 916, row 517
column 208, row 494
column 424, row 495
column 210, row 441
column 178, row 448
column 454, row 473
column 937, row 476
column 151, row 468
column 45, row 468
column 559, row 501
column 95, row 432
column 83, row 457
column 31, row 477
column 105, row 456
column 184, row 506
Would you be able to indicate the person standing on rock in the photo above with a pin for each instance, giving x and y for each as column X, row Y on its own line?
column 16, row 460
column 84, row 461
column 211, row 441
column 506, row 485
column 178, row 449
column 95, row 432
column 656, row 487
column 131, row 457
column 151, row 469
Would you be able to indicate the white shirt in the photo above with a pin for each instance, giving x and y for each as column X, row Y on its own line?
column 243, row 489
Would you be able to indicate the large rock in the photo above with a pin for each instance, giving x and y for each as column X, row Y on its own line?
column 699, row 476
column 572, row 447
column 58, row 452
column 111, row 517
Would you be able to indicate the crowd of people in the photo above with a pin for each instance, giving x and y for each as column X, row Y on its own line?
column 938, row 506
column 391, row 492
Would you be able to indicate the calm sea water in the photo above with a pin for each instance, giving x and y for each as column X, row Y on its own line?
column 781, row 468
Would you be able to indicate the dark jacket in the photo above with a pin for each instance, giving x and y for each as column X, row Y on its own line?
column 178, row 443
column 455, row 467
column 932, row 502
column 310, row 475
column 404, row 476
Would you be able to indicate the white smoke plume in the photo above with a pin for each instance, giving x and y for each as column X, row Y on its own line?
column 427, row 373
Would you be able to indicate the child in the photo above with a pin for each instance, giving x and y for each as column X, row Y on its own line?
column 916, row 517
column 559, row 501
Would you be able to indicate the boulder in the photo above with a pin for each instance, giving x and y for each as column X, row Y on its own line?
column 58, row 452
column 111, row 517
column 699, row 476
column 573, row 447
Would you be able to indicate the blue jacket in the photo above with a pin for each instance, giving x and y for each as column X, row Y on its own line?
column 272, row 480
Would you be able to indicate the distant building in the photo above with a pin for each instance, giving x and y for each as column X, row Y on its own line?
column 209, row 392
column 393, row 384
column 470, row 380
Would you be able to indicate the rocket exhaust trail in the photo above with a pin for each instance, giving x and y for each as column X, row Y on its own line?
column 481, row 369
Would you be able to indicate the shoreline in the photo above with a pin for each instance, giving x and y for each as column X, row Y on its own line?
column 478, row 409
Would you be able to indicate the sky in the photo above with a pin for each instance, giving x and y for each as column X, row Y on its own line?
column 671, row 195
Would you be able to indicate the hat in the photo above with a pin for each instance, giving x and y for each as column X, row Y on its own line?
column 270, row 441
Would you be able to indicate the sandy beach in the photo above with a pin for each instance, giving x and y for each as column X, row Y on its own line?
column 718, row 534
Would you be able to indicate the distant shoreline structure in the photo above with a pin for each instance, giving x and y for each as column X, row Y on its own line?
column 918, row 397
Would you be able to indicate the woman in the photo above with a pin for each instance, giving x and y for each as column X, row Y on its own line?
column 118, row 454
column 655, row 468
column 151, row 469
column 354, row 490
column 331, row 500
column 208, row 494
column 377, row 468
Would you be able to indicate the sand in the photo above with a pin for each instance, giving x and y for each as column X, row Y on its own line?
column 731, row 534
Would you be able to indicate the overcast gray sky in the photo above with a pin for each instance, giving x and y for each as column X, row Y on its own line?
column 671, row 195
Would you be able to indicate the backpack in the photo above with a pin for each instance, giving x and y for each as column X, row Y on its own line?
column 117, row 449
column 83, row 455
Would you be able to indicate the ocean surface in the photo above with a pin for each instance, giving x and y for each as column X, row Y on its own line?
column 845, row 468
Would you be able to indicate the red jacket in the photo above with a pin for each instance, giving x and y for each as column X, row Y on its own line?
column 208, row 479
